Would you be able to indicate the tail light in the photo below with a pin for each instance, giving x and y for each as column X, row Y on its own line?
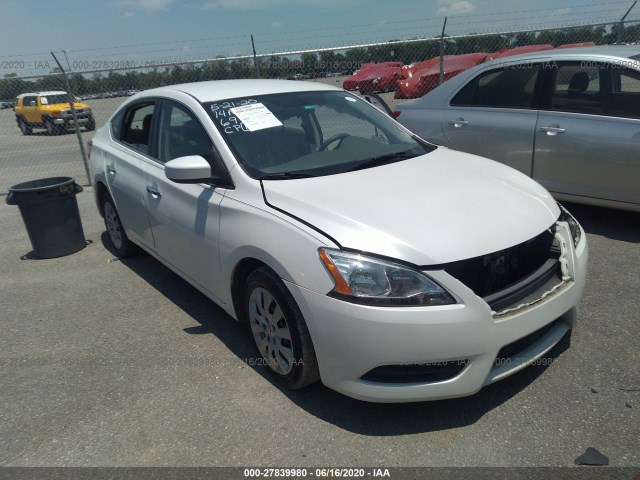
column 396, row 113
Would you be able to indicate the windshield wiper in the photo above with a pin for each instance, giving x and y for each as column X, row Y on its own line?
column 286, row 176
column 382, row 159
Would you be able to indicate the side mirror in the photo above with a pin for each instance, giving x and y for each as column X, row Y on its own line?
column 189, row 169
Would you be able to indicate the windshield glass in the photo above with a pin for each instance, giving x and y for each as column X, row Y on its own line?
column 301, row 134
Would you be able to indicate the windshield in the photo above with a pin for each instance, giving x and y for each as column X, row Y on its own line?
column 302, row 134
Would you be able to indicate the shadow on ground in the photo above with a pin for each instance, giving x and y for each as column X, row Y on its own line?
column 615, row 224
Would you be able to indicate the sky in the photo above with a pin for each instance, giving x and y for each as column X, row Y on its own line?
column 95, row 32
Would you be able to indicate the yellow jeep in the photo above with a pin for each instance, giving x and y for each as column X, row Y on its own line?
column 51, row 111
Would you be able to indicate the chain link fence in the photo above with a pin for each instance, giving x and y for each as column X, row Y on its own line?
column 401, row 69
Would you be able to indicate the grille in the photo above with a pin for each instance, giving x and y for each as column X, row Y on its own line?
column 508, row 276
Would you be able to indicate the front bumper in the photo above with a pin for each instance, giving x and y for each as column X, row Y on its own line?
column 351, row 340
column 67, row 121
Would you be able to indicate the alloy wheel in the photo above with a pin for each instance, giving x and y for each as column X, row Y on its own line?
column 271, row 331
column 113, row 224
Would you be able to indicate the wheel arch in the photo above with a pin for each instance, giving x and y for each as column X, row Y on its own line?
column 100, row 190
column 241, row 272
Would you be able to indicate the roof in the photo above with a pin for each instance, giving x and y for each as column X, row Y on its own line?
column 53, row 92
column 619, row 51
column 215, row 90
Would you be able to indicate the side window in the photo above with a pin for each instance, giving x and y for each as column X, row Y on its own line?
column 116, row 125
column 509, row 87
column 628, row 81
column 577, row 88
column 136, row 126
column 180, row 134
column 29, row 101
column 624, row 101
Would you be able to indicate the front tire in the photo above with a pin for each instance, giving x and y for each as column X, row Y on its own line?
column 51, row 128
column 279, row 330
column 121, row 245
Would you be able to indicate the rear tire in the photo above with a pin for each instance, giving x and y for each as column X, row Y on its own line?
column 121, row 245
column 24, row 127
column 279, row 330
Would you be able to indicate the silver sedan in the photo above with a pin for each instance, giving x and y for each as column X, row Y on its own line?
column 568, row 118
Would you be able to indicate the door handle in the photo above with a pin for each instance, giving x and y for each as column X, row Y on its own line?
column 552, row 130
column 111, row 170
column 153, row 191
column 458, row 122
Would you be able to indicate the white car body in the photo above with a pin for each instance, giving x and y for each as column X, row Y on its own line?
column 422, row 213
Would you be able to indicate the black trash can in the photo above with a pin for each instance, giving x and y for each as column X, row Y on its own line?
column 50, row 212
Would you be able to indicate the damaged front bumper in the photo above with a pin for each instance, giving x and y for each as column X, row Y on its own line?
column 427, row 353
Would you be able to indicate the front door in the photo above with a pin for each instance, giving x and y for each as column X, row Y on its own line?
column 184, row 218
column 494, row 115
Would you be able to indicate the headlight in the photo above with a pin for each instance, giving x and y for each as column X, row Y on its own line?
column 372, row 281
column 574, row 226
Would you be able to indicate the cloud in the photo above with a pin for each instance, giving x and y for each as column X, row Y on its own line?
column 561, row 11
column 267, row 4
column 276, row 24
column 129, row 14
column 242, row 5
column 451, row 7
column 146, row 4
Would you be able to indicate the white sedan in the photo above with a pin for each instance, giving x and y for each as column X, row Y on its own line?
column 360, row 255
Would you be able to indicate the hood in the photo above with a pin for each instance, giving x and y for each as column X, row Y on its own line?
column 437, row 208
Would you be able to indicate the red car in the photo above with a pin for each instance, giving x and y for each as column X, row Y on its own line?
column 580, row 44
column 375, row 77
column 425, row 76
column 507, row 52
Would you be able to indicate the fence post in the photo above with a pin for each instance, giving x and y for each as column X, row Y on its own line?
column 620, row 28
column 442, row 52
column 72, row 102
column 255, row 59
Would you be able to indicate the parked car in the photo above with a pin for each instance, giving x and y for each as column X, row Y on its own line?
column 422, row 80
column 358, row 254
column 51, row 111
column 569, row 118
column 375, row 77
column 509, row 52
column 576, row 45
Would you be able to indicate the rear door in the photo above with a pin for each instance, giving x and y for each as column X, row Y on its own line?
column 494, row 115
column 125, row 164
column 588, row 132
